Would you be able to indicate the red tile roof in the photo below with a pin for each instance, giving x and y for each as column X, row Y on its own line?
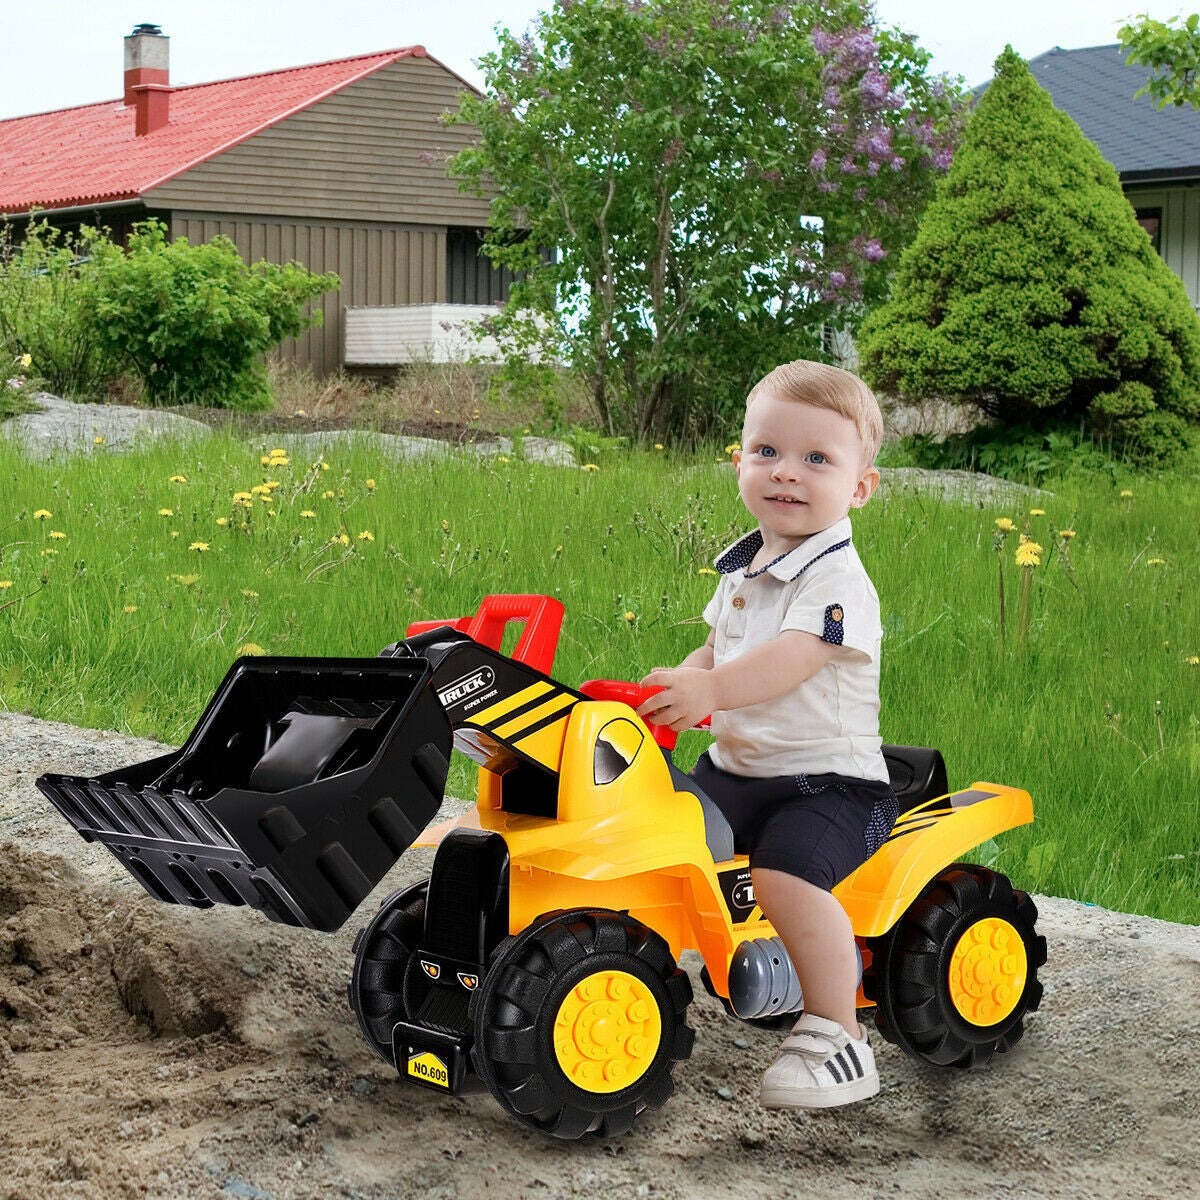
column 91, row 155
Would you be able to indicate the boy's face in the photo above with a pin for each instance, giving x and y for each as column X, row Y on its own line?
column 800, row 469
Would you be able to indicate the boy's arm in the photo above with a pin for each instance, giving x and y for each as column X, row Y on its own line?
column 702, row 656
column 691, row 692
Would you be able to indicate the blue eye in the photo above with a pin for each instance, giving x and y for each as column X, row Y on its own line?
column 816, row 457
column 767, row 451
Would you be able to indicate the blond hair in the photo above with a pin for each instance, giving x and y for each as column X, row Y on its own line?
column 824, row 386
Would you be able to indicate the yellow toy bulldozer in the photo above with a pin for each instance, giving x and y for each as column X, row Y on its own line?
column 539, row 959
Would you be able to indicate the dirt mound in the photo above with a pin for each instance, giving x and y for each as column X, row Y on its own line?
column 168, row 1053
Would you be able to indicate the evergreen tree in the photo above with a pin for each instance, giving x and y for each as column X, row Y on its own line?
column 1031, row 290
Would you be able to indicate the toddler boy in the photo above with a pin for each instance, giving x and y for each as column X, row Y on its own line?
column 790, row 674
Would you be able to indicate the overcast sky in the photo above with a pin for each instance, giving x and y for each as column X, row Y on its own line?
column 59, row 53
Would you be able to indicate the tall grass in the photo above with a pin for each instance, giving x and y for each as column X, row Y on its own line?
column 122, row 624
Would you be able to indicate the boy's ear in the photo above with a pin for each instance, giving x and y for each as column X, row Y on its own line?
column 866, row 487
column 737, row 463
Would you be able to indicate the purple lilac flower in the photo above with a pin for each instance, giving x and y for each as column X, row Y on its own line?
column 823, row 42
column 818, row 160
column 943, row 158
column 836, row 280
column 894, row 99
column 827, row 185
column 832, row 97
column 873, row 89
column 872, row 167
column 849, row 167
column 426, row 158
column 872, row 250
column 897, row 163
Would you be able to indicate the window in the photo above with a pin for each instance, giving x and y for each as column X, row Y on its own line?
column 1150, row 219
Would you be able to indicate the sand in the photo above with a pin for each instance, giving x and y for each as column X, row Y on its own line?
column 154, row 1051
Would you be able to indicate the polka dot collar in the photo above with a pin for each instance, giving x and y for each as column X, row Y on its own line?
column 787, row 566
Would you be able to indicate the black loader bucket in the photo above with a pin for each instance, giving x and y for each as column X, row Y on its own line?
column 302, row 784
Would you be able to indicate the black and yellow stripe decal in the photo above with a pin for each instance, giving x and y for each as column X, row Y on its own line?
column 929, row 813
column 531, row 721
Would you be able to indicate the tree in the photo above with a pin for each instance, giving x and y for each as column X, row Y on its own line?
column 195, row 321
column 1171, row 48
column 714, row 179
column 1031, row 290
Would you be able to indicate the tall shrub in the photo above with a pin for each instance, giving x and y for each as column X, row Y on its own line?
column 1031, row 290
column 47, row 279
column 195, row 321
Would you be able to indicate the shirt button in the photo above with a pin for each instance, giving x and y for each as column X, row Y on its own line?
column 739, row 602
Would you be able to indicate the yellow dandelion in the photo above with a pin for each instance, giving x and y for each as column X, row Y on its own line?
column 48, row 553
column 5, row 584
column 58, row 535
column 174, row 533
column 732, row 447
column 185, row 580
column 1126, row 494
column 1193, row 660
column 299, row 413
column 260, row 489
column 629, row 616
column 370, row 485
column 166, row 512
column 326, row 495
column 42, row 514
column 238, row 497
column 199, row 546
column 129, row 609
column 1037, row 512
column 177, row 479
column 658, row 445
column 271, row 484
column 249, row 593
column 267, row 499
column 366, row 536
column 705, row 571
column 1004, row 525
column 1029, row 554
column 308, row 514
column 26, row 360
column 324, row 465
column 502, row 458
column 251, row 648
column 445, row 526
column 222, row 521
column 589, row 467
column 265, row 460
column 1156, row 562
column 279, row 452
column 99, row 439
column 1066, row 533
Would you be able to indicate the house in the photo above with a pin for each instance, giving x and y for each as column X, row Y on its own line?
column 338, row 165
column 1156, row 152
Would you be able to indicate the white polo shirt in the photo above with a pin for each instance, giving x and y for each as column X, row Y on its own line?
column 830, row 723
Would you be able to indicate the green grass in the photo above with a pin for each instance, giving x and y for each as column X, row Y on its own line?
column 1069, row 715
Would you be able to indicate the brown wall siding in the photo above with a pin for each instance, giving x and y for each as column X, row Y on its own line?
column 377, row 265
column 354, row 156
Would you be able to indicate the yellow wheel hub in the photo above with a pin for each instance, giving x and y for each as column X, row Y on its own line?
column 987, row 971
column 607, row 1031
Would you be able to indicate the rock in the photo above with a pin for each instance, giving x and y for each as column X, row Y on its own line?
column 61, row 426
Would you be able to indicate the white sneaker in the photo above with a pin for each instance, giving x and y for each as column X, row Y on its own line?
column 820, row 1066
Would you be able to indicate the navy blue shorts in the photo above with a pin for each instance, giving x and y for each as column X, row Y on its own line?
column 818, row 827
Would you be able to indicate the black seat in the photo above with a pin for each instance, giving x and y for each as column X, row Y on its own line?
column 917, row 774
column 717, row 831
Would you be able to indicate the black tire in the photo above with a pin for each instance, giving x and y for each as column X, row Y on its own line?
column 532, row 982
column 920, row 1006
column 381, row 954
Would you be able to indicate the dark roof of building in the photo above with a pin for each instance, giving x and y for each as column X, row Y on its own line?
column 1095, row 88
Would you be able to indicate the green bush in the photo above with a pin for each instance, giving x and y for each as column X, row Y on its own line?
column 46, row 290
column 1031, row 291
column 195, row 321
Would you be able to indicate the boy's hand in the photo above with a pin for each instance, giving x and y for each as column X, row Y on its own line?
column 688, row 696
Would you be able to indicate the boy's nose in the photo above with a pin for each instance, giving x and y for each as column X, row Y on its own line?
column 783, row 470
